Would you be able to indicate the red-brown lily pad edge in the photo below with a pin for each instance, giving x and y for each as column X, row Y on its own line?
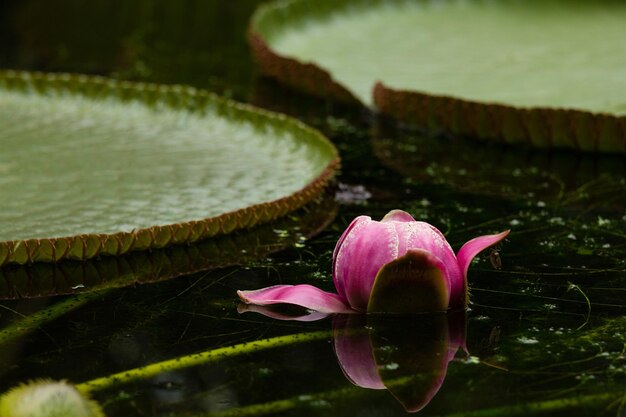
column 79, row 108
column 561, row 126
column 45, row 279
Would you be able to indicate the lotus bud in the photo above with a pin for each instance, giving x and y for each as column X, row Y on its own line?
column 396, row 265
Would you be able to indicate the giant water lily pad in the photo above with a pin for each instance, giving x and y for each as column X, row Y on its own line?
column 70, row 277
column 543, row 73
column 91, row 166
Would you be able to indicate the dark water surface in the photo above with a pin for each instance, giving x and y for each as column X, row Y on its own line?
column 545, row 334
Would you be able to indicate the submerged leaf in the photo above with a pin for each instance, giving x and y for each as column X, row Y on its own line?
column 92, row 166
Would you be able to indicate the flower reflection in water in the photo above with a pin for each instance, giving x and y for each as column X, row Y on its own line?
column 408, row 356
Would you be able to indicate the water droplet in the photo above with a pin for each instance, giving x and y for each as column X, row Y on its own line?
column 265, row 371
column 392, row 366
column 281, row 233
column 527, row 340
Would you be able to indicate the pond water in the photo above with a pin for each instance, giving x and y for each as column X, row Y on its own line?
column 545, row 332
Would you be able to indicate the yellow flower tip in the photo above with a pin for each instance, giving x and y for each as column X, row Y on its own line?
column 47, row 398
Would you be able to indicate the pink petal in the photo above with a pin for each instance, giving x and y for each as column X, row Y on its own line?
column 474, row 247
column 365, row 249
column 306, row 296
column 398, row 216
column 339, row 283
column 354, row 353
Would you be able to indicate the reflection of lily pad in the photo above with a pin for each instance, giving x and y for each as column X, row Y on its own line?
column 499, row 171
column 91, row 166
column 548, row 74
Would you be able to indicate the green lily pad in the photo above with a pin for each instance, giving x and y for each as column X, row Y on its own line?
column 91, row 166
column 143, row 267
column 541, row 73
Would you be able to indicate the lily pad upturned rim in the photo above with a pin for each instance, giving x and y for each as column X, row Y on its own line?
column 304, row 76
column 87, row 246
column 43, row 279
column 539, row 127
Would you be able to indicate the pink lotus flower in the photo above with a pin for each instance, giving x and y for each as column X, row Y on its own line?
column 397, row 265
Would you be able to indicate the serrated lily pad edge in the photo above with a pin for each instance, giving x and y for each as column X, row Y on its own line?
column 537, row 127
column 304, row 76
column 88, row 246
column 146, row 267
